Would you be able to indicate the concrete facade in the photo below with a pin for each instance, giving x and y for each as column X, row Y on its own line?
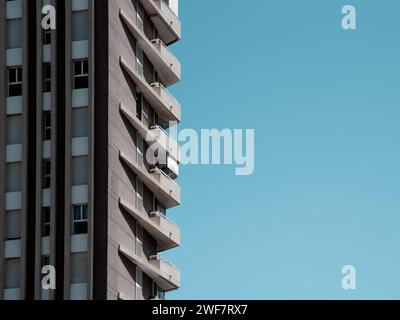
column 76, row 180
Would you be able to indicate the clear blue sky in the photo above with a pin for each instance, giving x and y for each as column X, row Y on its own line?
column 325, row 104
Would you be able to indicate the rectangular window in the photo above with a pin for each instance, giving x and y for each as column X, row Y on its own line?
column 45, row 261
column 46, row 36
column 79, row 267
column 15, row 81
column 14, row 33
column 14, row 129
column 46, row 222
column 157, row 292
column 80, row 25
column 81, row 74
column 139, row 59
column 46, row 77
column 80, row 122
column 158, row 207
column 80, row 219
column 46, row 173
column 79, row 170
column 12, row 269
column 13, row 182
column 13, row 225
column 139, row 16
column 139, row 284
column 46, row 125
column 139, row 103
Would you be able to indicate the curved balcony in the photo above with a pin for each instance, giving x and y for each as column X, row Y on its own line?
column 160, row 99
column 155, row 133
column 158, row 135
column 162, row 229
column 166, row 275
column 167, row 65
column 165, row 20
column 164, row 188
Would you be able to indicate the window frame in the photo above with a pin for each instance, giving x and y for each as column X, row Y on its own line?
column 18, row 80
column 46, row 126
column 157, row 292
column 84, row 63
column 46, row 224
column 45, row 260
column 46, row 79
column 46, row 176
column 46, row 36
column 81, row 220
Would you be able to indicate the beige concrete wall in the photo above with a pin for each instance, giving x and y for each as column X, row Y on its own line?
column 121, row 227
column 122, row 136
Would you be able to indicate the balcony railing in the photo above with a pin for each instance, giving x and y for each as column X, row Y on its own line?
column 166, row 190
column 164, row 61
column 168, row 143
column 162, row 220
column 156, row 94
column 165, row 20
column 165, row 96
column 166, row 232
column 170, row 60
column 167, row 269
column 158, row 135
column 166, row 182
column 166, row 275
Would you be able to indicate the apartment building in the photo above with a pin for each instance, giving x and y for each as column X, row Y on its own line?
column 80, row 106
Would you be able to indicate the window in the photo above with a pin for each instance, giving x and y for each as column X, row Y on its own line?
column 14, row 34
column 13, row 225
column 145, row 113
column 81, row 74
column 13, row 181
column 46, row 173
column 79, row 174
column 80, row 122
column 139, row 59
column 158, row 207
column 14, row 129
column 45, row 261
column 46, row 36
column 139, row 16
column 79, row 267
column 15, row 81
column 139, row 194
column 80, row 25
column 157, row 292
column 139, row 106
column 80, row 219
column 46, row 222
column 46, row 125
column 12, row 273
column 47, row 77
column 139, row 284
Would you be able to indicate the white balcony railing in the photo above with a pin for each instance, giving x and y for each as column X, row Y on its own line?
column 165, row 96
